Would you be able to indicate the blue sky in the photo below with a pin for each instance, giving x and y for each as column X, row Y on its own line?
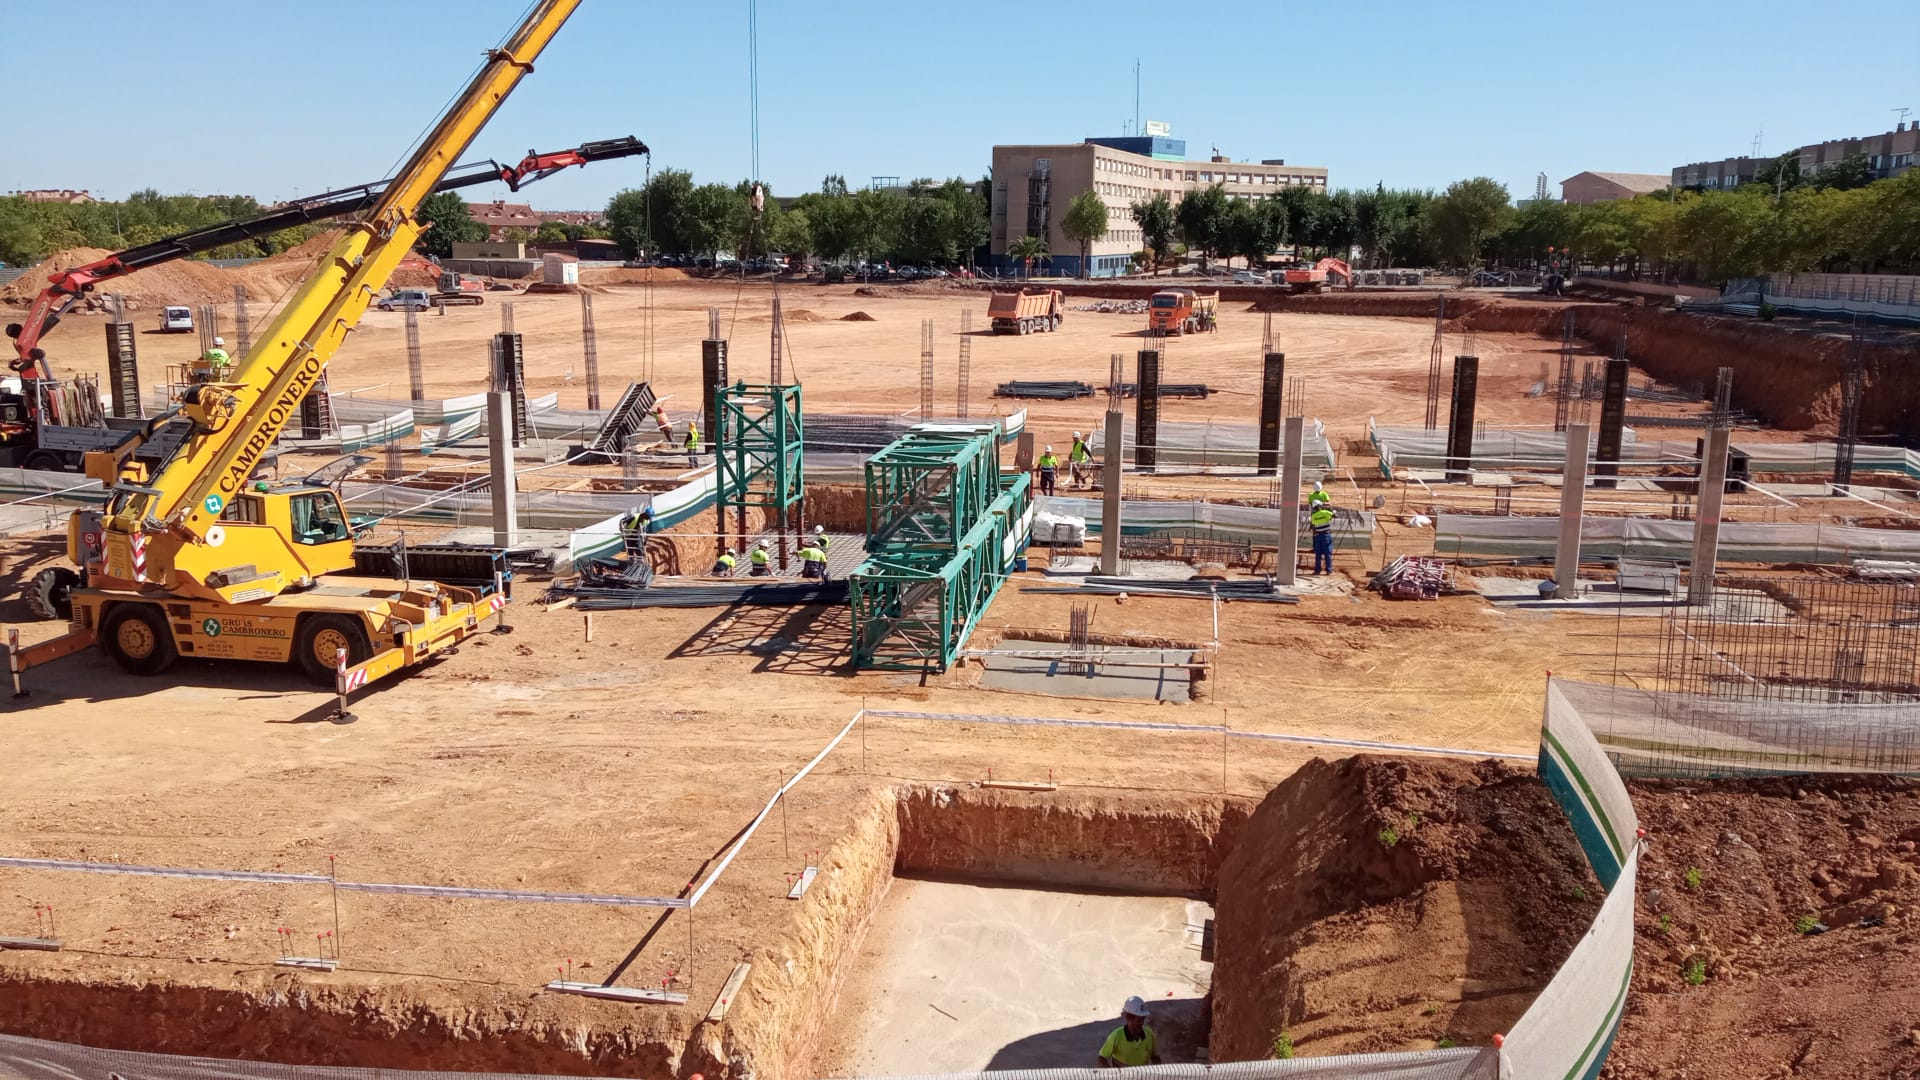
column 278, row 98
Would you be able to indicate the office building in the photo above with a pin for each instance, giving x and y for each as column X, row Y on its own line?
column 1033, row 184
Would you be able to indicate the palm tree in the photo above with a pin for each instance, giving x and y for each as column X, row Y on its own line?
column 1027, row 249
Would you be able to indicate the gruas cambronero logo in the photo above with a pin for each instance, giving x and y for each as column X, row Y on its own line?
column 304, row 376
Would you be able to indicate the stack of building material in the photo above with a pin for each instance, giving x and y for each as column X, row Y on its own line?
column 1412, row 577
column 1052, row 390
column 1255, row 589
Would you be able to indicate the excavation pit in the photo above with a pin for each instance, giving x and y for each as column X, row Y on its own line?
column 957, row 927
column 959, row 976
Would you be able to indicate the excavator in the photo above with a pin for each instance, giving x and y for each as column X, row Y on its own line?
column 1327, row 272
column 193, row 556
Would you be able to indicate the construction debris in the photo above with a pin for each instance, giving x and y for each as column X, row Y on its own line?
column 1413, row 577
column 1114, row 307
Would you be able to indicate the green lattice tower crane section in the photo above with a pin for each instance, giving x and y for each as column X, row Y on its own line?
column 757, row 455
column 944, row 525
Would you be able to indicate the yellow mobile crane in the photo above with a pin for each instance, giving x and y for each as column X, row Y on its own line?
column 199, row 559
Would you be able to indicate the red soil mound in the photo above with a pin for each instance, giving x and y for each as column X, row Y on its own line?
column 1376, row 904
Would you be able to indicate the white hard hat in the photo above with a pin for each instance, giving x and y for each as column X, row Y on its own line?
column 1135, row 1007
column 818, row 529
column 1076, row 434
column 1316, row 485
column 1049, row 449
column 219, row 340
column 760, row 543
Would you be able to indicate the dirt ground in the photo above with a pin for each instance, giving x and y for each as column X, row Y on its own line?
column 1736, row 876
column 539, row 761
column 1353, row 367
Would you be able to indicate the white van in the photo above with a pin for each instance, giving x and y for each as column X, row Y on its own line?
column 176, row 320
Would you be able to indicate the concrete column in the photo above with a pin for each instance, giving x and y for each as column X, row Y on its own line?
column 1706, row 518
column 506, row 517
column 1573, row 502
column 1613, row 424
column 1113, row 446
column 1466, row 384
column 1146, row 411
column 1287, row 562
column 1272, row 386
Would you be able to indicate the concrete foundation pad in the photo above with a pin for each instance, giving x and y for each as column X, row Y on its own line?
column 960, row 977
column 1031, row 675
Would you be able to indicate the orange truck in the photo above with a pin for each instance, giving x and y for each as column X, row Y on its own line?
column 1182, row 311
column 1027, row 312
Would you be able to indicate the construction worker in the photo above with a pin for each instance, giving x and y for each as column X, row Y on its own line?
column 217, row 362
column 665, row 425
column 723, row 566
column 693, row 443
column 635, row 524
column 820, row 538
column 1321, row 520
column 1133, row 1042
column 813, row 561
column 1079, row 460
column 1049, row 466
column 762, row 564
column 1319, row 496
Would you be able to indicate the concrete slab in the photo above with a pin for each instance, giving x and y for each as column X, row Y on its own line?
column 1029, row 675
column 962, row 977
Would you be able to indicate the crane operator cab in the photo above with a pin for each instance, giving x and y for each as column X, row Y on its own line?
column 308, row 516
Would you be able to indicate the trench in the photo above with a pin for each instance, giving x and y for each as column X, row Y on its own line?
column 965, row 927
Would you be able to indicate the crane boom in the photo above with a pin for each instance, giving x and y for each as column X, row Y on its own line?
column 234, row 423
column 68, row 286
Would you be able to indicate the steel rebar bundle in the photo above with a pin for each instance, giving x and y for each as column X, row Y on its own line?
column 1052, row 390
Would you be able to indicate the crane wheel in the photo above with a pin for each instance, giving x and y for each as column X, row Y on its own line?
column 137, row 638
column 50, row 593
column 319, row 640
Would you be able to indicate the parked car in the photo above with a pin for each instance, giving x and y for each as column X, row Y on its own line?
column 1247, row 277
column 176, row 320
column 405, row 299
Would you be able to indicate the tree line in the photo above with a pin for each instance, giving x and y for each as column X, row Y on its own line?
column 929, row 223
column 1774, row 225
column 31, row 231
column 1836, row 220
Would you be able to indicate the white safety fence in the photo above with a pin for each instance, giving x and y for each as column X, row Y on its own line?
column 1892, row 297
column 1353, row 531
column 1182, row 442
column 1661, row 734
column 1663, row 539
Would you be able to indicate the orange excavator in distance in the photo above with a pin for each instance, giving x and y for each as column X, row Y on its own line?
column 1323, row 274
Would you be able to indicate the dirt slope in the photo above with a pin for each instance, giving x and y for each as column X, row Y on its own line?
column 1355, row 939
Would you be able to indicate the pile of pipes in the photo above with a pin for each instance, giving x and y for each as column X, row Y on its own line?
column 1052, row 390
column 1260, row 589
column 1886, row 570
column 1114, row 307
column 1412, row 577
column 1167, row 390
